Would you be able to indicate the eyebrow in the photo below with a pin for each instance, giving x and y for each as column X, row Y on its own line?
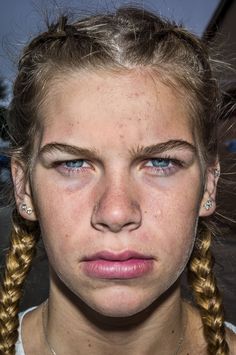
column 139, row 151
column 162, row 147
column 70, row 149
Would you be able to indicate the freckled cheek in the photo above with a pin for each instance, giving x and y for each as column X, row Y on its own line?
column 63, row 216
column 174, row 236
column 60, row 193
column 173, row 194
column 167, row 207
column 64, row 237
column 172, row 215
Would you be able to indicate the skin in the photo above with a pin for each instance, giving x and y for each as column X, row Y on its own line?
column 117, row 200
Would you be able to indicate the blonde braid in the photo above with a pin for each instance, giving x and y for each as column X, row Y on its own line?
column 17, row 265
column 207, row 295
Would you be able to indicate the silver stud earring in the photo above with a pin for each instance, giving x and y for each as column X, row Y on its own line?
column 24, row 207
column 208, row 204
column 217, row 173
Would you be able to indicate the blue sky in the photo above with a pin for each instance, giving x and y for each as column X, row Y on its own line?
column 21, row 19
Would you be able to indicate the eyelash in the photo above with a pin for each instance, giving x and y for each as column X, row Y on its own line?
column 172, row 166
column 68, row 170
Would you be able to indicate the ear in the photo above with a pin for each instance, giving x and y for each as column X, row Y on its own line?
column 22, row 190
column 208, row 203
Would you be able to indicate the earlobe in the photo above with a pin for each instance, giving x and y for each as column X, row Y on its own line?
column 22, row 191
column 208, row 203
column 24, row 207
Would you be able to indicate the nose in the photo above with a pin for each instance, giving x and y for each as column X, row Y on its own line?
column 116, row 210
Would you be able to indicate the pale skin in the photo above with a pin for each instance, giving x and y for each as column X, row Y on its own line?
column 95, row 186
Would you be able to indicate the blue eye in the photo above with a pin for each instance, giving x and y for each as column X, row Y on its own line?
column 163, row 166
column 74, row 164
column 160, row 163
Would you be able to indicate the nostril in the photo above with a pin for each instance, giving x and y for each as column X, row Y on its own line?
column 116, row 214
column 132, row 225
column 115, row 227
column 101, row 226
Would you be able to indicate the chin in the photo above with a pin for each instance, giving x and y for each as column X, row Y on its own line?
column 113, row 299
column 120, row 303
column 117, row 311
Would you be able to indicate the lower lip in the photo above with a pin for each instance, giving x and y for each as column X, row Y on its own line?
column 110, row 269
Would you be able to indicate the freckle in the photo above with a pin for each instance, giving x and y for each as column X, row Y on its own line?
column 89, row 344
column 145, row 211
column 121, row 136
column 67, row 236
column 172, row 332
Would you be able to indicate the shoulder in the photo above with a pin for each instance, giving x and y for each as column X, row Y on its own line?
column 19, row 348
column 231, row 337
column 231, row 326
column 19, row 345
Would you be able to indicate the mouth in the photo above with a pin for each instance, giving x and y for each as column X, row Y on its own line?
column 125, row 265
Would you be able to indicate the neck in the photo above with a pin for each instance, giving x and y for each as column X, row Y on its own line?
column 72, row 325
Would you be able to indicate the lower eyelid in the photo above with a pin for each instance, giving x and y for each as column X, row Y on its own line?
column 61, row 167
column 165, row 172
column 170, row 169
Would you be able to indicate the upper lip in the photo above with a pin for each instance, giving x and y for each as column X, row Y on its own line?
column 113, row 256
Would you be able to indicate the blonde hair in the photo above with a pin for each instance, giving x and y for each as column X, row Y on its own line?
column 206, row 293
column 122, row 40
column 18, row 262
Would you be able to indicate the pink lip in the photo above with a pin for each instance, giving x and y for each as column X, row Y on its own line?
column 125, row 265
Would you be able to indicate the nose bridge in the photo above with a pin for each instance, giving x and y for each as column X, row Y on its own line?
column 117, row 206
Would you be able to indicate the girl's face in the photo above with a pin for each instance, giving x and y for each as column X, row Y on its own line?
column 116, row 187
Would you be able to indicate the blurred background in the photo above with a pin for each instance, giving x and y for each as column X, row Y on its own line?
column 214, row 21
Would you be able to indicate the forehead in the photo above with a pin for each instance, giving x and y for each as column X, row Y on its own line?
column 135, row 104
